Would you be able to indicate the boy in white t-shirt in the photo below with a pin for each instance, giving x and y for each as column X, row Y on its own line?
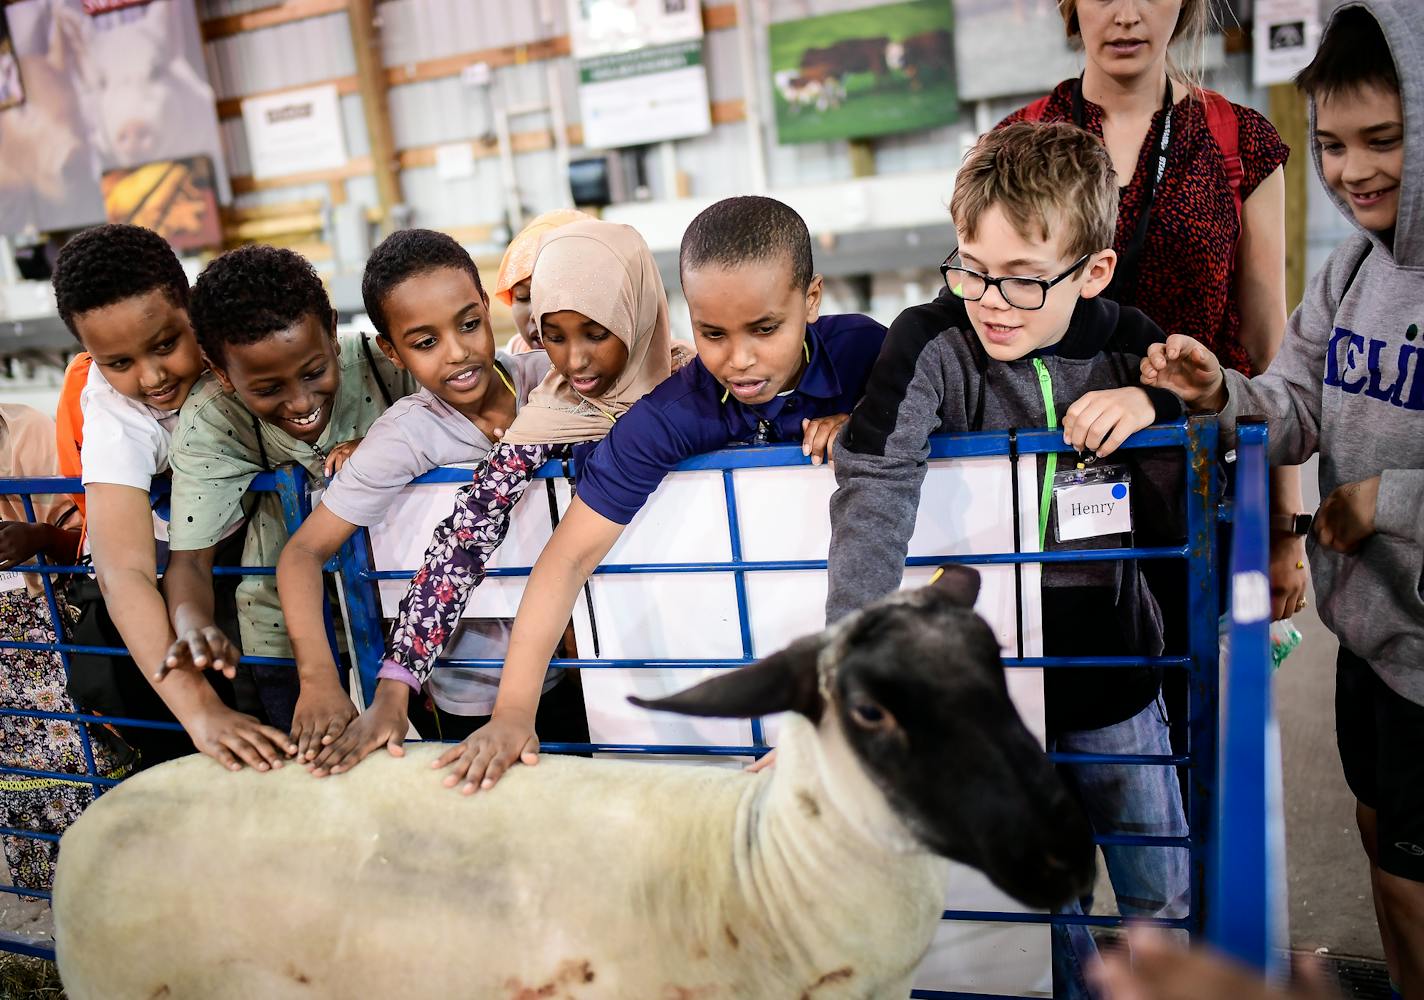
column 123, row 294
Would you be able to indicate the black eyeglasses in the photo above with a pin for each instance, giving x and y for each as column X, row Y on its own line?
column 1021, row 293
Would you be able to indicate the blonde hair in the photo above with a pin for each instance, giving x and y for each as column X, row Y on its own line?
column 1188, row 37
column 1040, row 175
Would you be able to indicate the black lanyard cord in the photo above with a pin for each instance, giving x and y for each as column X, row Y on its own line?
column 1123, row 288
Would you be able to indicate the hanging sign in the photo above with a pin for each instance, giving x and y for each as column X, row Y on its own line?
column 1285, row 35
column 294, row 132
column 641, row 73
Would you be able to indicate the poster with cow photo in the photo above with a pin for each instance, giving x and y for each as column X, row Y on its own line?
column 111, row 91
column 864, row 73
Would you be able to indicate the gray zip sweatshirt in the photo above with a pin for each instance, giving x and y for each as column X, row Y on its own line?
column 1349, row 384
column 932, row 376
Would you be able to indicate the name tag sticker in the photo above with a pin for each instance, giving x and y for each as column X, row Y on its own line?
column 11, row 581
column 1090, row 509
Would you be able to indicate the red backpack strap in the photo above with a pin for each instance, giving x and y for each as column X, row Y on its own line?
column 1225, row 128
column 1034, row 112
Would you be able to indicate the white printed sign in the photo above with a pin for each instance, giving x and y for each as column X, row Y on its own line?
column 294, row 132
column 1285, row 35
column 10, row 580
column 641, row 72
column 1093, row 509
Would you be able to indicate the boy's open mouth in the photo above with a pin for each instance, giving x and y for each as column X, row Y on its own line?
column 998, row 333
column 306, row 421
column 466, row 378
column 1365, row 199
column 747, row 388
column 163, row 397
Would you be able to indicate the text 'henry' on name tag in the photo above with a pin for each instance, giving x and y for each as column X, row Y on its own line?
column 1093, row 509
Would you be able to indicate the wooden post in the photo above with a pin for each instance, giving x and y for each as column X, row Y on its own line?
column 366, row 41
column 1288, row 114
column 862, row 157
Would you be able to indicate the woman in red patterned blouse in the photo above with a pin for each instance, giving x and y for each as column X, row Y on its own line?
column 1188, row 258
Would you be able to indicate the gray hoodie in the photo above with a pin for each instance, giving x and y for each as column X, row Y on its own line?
column 1349, row 384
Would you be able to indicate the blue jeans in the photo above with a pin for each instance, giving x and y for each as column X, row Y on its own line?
column 1125, row 799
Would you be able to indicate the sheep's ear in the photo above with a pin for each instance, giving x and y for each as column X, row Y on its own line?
column 783, row 682
column 959, row 583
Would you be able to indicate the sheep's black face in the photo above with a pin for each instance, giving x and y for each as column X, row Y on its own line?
column 921, row 696
column 919, row 691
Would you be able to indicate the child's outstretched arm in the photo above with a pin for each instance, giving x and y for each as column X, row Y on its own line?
column 579, row 544
column 324, row 709
column 120, row 526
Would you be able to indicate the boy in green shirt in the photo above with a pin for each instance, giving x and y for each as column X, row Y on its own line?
column 284, row 388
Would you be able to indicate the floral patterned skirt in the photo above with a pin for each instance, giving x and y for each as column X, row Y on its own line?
column 34, row 680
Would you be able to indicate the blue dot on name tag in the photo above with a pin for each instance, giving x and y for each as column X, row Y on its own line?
column 1119, row 491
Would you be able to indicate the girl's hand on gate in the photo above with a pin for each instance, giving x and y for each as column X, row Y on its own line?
column 323, row 713
column 338, row 455
column 820, row 436
column 1347, row 516
column 1289, row 574
column 384, row 724
column 233, row 739
column 489, row 751
column 200, row 649
column 1188, row 370
column 1101, row 421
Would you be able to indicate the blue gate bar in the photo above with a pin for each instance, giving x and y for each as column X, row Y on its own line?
column 1247, row 919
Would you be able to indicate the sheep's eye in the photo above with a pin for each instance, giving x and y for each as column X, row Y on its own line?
column 868, row 715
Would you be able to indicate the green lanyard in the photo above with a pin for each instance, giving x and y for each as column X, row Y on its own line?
column 1050, row 469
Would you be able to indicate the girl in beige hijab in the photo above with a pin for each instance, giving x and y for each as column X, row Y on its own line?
column 600, row 304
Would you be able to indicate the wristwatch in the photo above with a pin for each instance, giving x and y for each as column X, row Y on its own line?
column 1292, row 524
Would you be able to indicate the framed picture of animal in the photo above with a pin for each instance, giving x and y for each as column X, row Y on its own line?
column 864, row 73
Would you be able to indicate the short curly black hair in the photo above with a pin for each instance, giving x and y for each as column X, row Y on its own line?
column 403, row 255
column 250, row 293
column 108, row 264
column 748, row 229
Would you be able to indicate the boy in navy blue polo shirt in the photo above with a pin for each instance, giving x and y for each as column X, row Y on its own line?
column 768, row 369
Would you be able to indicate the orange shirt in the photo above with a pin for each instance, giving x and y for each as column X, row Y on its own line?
column 69, row 420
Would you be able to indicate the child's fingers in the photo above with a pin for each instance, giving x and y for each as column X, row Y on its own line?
column 345, row 751
column 449, row 756
column 334, row 728
column 395, row 743
column 499, row 763
column 247, row 752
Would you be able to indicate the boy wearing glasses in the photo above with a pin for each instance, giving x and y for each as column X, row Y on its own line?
column 1020, row 338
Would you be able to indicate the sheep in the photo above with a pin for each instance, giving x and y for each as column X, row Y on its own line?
column 822, row 877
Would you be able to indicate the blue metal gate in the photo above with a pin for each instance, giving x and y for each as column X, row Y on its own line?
column 1235, row 893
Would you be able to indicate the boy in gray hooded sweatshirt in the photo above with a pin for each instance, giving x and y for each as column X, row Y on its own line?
column 1349, row 384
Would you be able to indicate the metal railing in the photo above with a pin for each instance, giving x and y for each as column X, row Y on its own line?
column 1233, row 894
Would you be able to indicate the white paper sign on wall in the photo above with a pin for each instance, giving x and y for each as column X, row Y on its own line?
column 294, row 132
column 1285, row 36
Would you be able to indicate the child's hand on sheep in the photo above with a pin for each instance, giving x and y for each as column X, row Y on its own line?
column 323, row 713
column 820, row 436
column 480, row 761
column 384, row 724
column 233, row 739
